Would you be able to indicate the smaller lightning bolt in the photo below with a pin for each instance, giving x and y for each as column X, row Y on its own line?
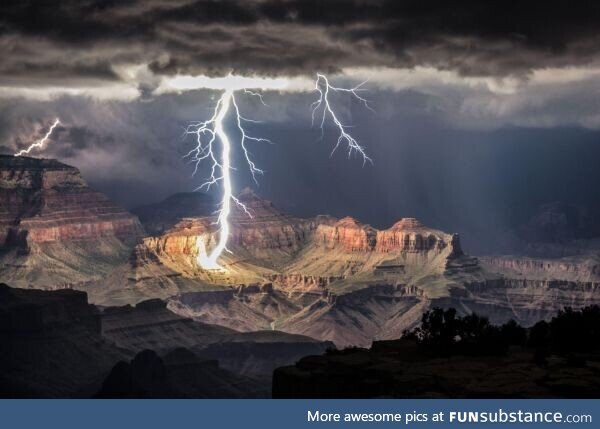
column 323, row 87
column 40, row 143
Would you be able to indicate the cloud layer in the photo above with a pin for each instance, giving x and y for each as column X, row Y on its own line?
column 90, row 44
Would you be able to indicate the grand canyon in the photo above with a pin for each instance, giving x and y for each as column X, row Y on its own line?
column 89, row 284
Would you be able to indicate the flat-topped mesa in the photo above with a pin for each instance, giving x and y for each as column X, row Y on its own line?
column 348, row 233
column 43, row 200
column 410, row 235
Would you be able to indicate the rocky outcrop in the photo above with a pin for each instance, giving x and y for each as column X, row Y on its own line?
column 46, row 201
column 348, row 249
column 179, row 374
column 302, row 254
column 262, row 232
column 346, row 318
column 399, row 369
column 245, row 309
column 180, row 240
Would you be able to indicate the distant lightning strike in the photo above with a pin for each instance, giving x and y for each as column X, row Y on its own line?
column 39, row 144
column 208, row 132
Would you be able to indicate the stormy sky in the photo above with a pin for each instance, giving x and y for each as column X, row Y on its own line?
column 483, row 110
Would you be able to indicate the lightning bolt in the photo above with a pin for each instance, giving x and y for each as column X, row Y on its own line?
column 323, row 87
column 208, row 133
column 40, row 143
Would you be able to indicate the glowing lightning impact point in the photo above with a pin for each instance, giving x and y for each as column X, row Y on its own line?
column 40, row 143
column 208, row 132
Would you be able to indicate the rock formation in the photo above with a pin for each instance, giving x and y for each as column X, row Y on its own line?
column 52, row 344
column 51, row 221
column 45, row 201
column 398, row 369
column 347, row 233
column 179, row 374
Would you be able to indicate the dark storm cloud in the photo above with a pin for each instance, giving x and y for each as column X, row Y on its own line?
column 41, row 41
